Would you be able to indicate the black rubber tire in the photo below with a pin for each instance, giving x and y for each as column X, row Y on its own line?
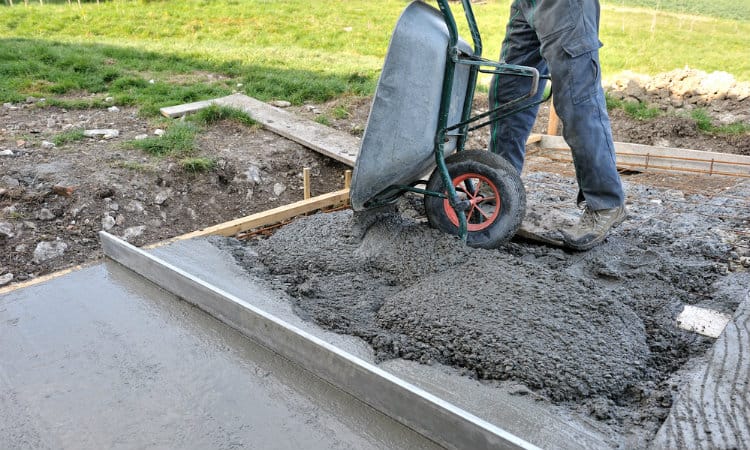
column 498, row 175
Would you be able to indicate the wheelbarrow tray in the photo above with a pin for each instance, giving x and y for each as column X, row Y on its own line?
column 398, row 146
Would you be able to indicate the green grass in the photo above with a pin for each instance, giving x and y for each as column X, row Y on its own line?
column 145, row 54
column 340, row 112
column 66, row 137
column 323, row 120
column 215, row 113
column 197, row 165
column 178, row 139
column 727, row 9
column 636, row 110
column 705, row 124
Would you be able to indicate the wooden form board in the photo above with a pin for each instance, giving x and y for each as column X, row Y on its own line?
column 646, row 157
column 266, row 218
column 338, row 145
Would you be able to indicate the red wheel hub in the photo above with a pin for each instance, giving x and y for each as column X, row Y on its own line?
column 483, row 197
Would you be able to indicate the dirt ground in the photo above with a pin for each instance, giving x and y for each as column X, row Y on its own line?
column 54, row 199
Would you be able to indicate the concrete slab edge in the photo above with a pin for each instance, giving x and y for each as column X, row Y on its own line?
column 417, row 409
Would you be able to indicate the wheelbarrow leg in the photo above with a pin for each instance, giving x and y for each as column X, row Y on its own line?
column 458, row 206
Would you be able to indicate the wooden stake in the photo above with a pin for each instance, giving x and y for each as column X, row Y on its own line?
column 347, row 179
column 553, row 125
column 306, row 183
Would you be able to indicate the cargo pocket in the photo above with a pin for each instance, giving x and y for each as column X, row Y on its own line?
column 583, row 68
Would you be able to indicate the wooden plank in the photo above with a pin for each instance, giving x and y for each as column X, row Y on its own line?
column 43, row 278
column 333, row 143
column 427, row 414
column 713, row 409
column 265, row 218
column 338, row 145
column 306, row 183
column 553, row 124
column 646, row 157
column 188, row 108
column 533, row 139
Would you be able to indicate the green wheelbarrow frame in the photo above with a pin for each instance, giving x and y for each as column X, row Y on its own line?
column 458, row 54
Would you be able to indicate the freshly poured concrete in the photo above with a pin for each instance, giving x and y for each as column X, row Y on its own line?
column 504, row 406
column 100, row 358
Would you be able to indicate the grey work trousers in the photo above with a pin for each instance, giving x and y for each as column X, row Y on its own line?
column 560, row 38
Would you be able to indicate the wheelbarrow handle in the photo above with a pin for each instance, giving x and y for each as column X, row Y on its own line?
column 450, row 22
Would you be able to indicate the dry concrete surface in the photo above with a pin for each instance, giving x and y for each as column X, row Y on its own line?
column 592, row 335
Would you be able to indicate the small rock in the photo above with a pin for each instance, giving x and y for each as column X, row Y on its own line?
column 10, row 181
column 45, row 214
column 47, row 250
column 134, row 206
column 5, row 279
column 21, row 248
column 10, row 106
column 278, row 189
column 133, row 232
column 159, row 132
column 113, row 109
column 6, row 230
column 253, row 175
column 48, row 145
column 31, row 99
column 106, row 133
column 30, row 225
column 6, row 153
column 109, row 99
column 281, row 103
column 51, row 123
column 120, row 220
column 162, row 197
column 140, row 137
column 108, row 222
column 112, row 205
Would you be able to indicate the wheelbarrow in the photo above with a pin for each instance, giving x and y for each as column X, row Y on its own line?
column 419, row 122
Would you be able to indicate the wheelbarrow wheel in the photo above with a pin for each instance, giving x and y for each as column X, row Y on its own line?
column 495, row 193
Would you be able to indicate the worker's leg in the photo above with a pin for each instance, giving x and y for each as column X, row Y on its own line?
column 521, row 47
column 572, row 54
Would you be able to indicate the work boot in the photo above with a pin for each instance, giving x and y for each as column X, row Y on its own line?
column 593, row 227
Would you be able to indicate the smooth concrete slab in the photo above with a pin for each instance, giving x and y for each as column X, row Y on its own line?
column 101, row 358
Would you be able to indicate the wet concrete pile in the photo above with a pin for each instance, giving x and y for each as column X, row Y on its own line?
column 593, row 331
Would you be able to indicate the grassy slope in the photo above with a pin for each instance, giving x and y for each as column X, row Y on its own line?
column 293, row 49
column 727, row 9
